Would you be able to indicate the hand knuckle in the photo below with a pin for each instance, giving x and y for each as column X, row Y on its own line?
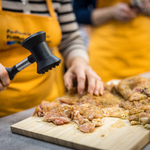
column 82, row 78
column 99, row 78
column 81, row 88
column 7, row 83
column 92, row 86
column 64, row 76
column 2, row 74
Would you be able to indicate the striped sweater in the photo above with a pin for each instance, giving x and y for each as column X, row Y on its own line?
column 71, row 44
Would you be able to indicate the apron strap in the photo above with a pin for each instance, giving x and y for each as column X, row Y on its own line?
column 0, row 4
column 50, row 6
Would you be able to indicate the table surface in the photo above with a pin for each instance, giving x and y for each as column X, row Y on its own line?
column 11, row 141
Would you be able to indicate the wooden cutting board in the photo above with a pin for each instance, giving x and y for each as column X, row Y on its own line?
column 115, row 134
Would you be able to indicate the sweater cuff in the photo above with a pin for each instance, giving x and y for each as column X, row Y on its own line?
column 76, row 53
column 86, row 14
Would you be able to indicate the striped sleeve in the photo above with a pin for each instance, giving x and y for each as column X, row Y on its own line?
column 72, row 45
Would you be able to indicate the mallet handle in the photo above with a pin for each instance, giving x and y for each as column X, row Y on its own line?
column 20, row 66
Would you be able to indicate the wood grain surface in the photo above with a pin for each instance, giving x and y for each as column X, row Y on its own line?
column 115, row 134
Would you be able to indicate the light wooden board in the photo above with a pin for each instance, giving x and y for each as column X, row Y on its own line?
column 109, row 136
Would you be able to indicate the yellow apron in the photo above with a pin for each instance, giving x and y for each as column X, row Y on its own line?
column 118, row 50
column 28, row 88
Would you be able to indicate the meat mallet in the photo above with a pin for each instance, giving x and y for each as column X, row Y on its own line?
column 40, row 53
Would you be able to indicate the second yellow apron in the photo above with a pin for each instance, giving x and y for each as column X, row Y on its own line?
column 119, row 50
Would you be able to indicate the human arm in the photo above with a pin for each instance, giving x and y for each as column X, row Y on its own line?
column 120, row 11
column 75, row 54
column 4, row 78
column 99, row 16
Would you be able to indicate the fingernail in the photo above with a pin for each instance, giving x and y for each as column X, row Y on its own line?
column 96, row 93
column 101, row 91
column 91, row 92
column 68, row 86
column 81, row 92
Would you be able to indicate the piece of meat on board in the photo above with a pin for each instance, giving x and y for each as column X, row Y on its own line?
column 45, row 107
column 60, row 115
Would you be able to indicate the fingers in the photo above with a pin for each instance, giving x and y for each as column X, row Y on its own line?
column 127, row 13
column 76, row 71
column 123, row 12
column 68, row 80
column 81, row 78
column 4, row 78
column 99, row 88
column 83, row 72
column 95, row 85
column 2, row 87
column 91, row 85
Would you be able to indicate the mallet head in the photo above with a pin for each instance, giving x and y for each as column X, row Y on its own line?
column 40, row 51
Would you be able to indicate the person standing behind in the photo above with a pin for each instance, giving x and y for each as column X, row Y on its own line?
column 119, row 41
